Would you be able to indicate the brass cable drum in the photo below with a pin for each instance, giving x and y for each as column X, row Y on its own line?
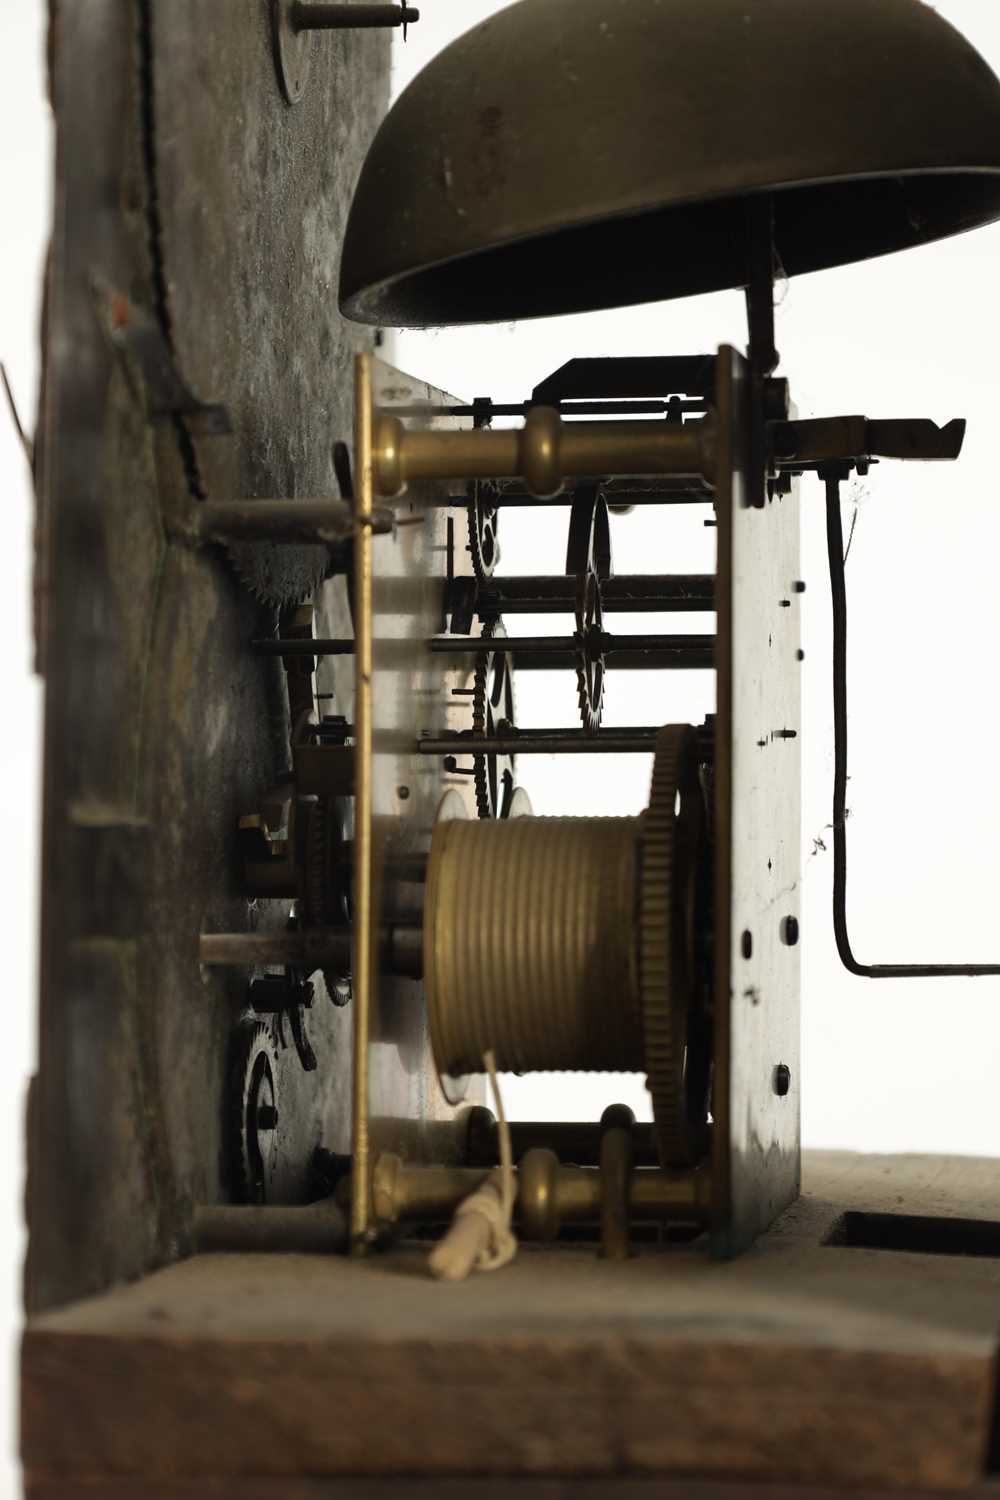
column 573, row 944
column 529, row 944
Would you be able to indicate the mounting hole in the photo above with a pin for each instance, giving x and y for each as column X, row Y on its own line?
column 781, row 1080
column 789, row 931
column 746, row 943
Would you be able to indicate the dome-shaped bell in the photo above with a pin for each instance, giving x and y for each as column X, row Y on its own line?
column 568, row 155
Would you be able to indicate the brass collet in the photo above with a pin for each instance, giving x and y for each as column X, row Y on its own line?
column 544, row 453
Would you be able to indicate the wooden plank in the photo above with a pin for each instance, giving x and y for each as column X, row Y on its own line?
column 466, row 1488
column 799, row 1362
column 188, row 190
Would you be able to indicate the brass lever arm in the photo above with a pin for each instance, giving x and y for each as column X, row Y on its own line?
column 806, row 445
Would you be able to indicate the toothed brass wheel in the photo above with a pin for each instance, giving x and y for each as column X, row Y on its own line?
column 326, row 880
column 492, row 713
column 671, row 988
column 484, row 520
column 280, row 573
column 254, row 1113
column 588, row 558
column 590, row 667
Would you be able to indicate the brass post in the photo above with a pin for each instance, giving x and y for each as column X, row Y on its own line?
column 548, row 1195
column 617, row 1161
column 544, row 453
column 362, row 893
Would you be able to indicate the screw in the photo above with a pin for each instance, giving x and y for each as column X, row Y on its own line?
column 790, row 931
column 800, row 587
column 403, row 793
column 782, row 1080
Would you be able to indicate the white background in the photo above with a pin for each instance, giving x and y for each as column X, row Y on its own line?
column 886, row 1066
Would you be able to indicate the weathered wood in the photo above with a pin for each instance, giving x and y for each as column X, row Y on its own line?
column 190, row 199
column 799, row 1362
column 468, row 1488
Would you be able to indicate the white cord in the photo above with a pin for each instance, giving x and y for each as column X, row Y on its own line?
column 480, row 1237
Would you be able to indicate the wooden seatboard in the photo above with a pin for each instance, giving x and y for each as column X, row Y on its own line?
column 799, row 1362
column 468, row 1488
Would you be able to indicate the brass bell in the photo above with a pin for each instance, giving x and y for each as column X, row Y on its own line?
column 569, row 155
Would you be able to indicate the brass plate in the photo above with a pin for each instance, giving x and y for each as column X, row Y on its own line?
column 403, row 1107
column 758, row 779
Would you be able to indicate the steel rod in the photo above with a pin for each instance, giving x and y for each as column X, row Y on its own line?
column 662, row 659
column 838, row 585
column 400, row 949
column 315, row 949
column 310, row 15
column 538, row 653
column 271, row 647
column 635, row 741
column 324, row 521
column 634, row 653
column 544, row 742
column 670, row 593
column 687, row 495
column 543, row 645
column 565, row 408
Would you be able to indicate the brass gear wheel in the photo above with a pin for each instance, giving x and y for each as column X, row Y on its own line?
column 280, row 573
column 590, row 666
column 672, row 994
column 589, row 541
column 253, row 1113
column 484, row 518
column 492, row 710
column 325, row 901
column 588, row 558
